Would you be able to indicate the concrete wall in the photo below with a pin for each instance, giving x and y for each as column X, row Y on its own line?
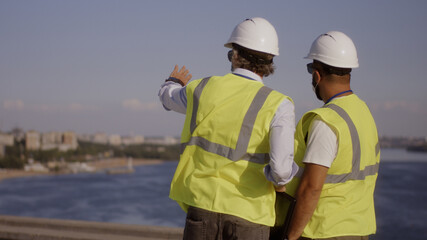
column 25, row 228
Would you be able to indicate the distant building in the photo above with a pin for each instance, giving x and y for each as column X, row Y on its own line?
column 133, row 140
column 6, row 139
column 85, row 137
column 100, row 138
column 167, row 140
column 56, row 140
column 32, row 140
column 69, row 139
column 51, row 140
column 115, row 140
column 138, row 139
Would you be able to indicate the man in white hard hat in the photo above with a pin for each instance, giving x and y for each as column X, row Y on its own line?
column 237, row 140
column 336, row 147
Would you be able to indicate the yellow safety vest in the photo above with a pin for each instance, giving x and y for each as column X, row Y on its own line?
column 225, row 146
column 346, row 204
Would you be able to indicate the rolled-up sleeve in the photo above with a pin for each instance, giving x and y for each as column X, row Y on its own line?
column 173, row 97
column 282, row 168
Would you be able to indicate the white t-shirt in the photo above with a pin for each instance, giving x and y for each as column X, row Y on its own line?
column 322, row 144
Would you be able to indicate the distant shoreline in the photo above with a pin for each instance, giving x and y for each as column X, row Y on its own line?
column 417, row 149
column 100, row 165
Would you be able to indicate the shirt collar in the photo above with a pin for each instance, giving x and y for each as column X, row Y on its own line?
column 247, row 73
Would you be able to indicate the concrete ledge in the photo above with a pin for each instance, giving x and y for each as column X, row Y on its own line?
column 23, row 228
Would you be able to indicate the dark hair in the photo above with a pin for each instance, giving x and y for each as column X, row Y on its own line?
column 258, row 62
column 327, row 69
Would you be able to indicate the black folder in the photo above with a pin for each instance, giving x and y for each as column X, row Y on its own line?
column 285, row 205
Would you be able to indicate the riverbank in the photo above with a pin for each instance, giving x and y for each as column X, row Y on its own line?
column 99, row 165
column 16, row 228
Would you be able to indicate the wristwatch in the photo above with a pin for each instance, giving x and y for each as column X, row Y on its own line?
column 172, row 79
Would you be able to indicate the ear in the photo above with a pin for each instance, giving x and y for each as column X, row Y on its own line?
column 235, row 52
column 317, row 77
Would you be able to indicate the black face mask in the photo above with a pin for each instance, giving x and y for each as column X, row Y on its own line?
column 315, row 88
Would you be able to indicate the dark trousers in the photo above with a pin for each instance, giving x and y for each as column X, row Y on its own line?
column 206, row 225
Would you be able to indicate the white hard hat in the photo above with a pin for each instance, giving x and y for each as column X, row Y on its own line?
column 257, row 34
column 334, row 49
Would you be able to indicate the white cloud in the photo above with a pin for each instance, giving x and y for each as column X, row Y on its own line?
column 77, row 107
column 13, row 104
column 136, row 105
column 43, row 108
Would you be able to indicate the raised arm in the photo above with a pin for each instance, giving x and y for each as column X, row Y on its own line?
column 172, row 93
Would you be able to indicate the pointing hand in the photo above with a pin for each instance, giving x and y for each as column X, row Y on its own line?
column 183, row 74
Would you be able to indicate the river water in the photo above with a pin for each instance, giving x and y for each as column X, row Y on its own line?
column 142, row 197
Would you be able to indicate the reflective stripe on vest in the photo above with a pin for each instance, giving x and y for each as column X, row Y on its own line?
column 240, row 153
column 356, row 173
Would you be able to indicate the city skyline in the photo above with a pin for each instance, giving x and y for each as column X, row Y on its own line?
column 96, row 66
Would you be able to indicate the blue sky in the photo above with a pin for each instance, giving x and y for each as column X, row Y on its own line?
column 96, row 66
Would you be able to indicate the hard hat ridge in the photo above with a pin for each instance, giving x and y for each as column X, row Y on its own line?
column 334, row 48
column 256, row 34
